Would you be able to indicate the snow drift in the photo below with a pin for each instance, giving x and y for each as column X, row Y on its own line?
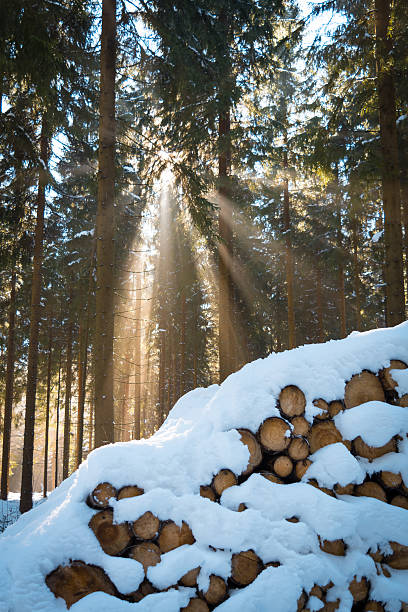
column 325, row 527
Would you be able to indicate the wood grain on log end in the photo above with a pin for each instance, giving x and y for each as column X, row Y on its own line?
column 146, row 527
column 370, row 489
column 207, row 491
column 324, row 407
column 113, row 538
column 196, row 605
column 130, row 491
column 274, row 434
column 147, row 553
column 271, row 477
column 359, row 589
column 322, row 434
column 75, row 581
column 301, row 426
column 387, row 380
column 245, row 566
column 223, row 480
column 216, row 592
column 333, row 547
column 190, row 578
column 283, row 466
column 255, row 452
column 298, row 449
column 301, row 468
column 100, row 496
column 172, row 536
column 373, row 452
column 401, row 501
column 335, row 407
column 292, row 401
column 362, row 388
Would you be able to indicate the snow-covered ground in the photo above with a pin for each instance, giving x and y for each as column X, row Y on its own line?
column 9, row 509
column 198, row 439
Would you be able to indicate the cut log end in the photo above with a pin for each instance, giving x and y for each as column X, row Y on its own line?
column 130, row 491
column 172, row 536
column 100, row 496
column 373, row 452
column 223, row 480
column 190, row 579
column 333, row 547
column 324, row 409
column 216, row 592
column 207, row 491
column 359, row 589
column 364, row 387
column 292, row 401
column 298, row 449
column 301, row 468
column 322, row 434
column 274, row 434
column 301, row 426
column 283, row 466
column 245, row 566
column 146, row 527
column 77, row 580
column 371, row 489
column 271, row 477
column 147, row 553
column 196, row 605
column 112, row 538
column 386, row 378
column 255, row 452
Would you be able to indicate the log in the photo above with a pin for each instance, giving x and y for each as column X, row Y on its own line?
column 301, row 426
column 301, row 468
column 401, row 501
column 223, row 480
column 207, row 491
column 403, row 401
column 241, row 507
column 333, row 547
column 112, row 538
column 335, row 407
column 255, row 452
column 359, row 589
column 77, row 580
column 216, row 592
column 301, row 602
column 399, row 559
column 271, row 477
column 147, row 553
column 345, row 490
column 130, row 491
column 146, row 588
column 387, row 380
column 298, row 449
column 146, row 527
column 272, row 564
column 374, row 606
column 283, row 466
column 316, row 485
column 322, row 434
column 364, row 387
column 316, row 591
column 371, row 489
column 172, row 536
column 324, row 407
column 372, row 452
column 292, row 401
column 190, row 579
column 196, row 605
column 390, row 480
column 274, row 434
column 245, row 567
column 100, row 496
column 331, row 606
column 376, row 555
column 292, row 519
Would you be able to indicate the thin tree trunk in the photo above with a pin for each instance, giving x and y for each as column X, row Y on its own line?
column 357, row 303
column 8, row 400
column 183, row 345
column 319, row 300
column 26, row 497
column 138, row 356
column 105, row 224
column 57, row 423
column 289, row 254
column 67, row 412
column 394, row 277
column 82, row 350
column 404, row 194
column 47, row 409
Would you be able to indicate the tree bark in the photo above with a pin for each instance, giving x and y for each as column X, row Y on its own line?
column 26, row 501
column 138, row 357
column 67, row 412
column 288, row 253
column 8, row 400
column 394, row 277
column 105, row 224
column 357, row 303
column 47, row 409
column 57, row 423
column 319, row 301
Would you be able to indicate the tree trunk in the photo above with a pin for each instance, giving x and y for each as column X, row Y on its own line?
column 82, row 350
column 357, row 303
column 404, row 193
column 105, row 224
column 319, row 300
column 8, row 402
column 289, row 254
column 138, row 357
column 67, row 412
column 57, row 423
column 394, row 278
column 47, row 409
column 26, row 501
column 183, row 345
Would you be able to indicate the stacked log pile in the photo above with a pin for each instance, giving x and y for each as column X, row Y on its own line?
column 279, row 450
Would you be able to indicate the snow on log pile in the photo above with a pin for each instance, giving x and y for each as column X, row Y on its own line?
column 285, row 489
